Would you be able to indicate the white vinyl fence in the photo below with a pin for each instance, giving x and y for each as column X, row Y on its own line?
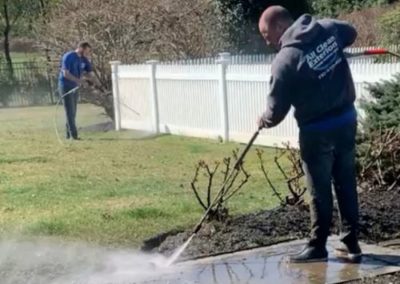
column 216, row 100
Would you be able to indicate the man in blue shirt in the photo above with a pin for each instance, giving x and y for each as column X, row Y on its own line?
column 74, row 65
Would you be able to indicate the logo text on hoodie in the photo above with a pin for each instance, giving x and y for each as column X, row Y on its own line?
column 324, row 58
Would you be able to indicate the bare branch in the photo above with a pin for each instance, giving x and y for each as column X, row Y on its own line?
column 276, row 193
column 195, row 190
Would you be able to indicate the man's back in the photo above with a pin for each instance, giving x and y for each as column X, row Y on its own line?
column 312, row 63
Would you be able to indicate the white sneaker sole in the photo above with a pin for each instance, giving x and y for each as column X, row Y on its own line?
column 352, row 257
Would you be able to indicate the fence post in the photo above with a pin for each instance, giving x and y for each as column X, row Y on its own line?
column 115, row 86
column 223, row 61
column 154, row 95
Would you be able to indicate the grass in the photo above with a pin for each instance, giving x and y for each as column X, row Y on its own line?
column 109, row 188
column 26, row 56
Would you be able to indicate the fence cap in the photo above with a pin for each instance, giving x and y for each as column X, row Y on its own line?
column 115, row 62
column 224, row 57
column 152, row 61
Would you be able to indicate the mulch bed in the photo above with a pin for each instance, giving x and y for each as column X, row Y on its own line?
column 379, row 221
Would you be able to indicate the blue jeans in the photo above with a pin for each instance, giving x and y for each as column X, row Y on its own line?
column 70, row 103
column 329, row 157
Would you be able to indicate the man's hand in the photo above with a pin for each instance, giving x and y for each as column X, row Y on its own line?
column 261, row 123
column 83, row 83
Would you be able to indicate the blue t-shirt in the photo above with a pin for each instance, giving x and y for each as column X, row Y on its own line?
column 74, row 64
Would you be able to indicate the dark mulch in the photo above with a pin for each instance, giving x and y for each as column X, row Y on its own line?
column 379, row 221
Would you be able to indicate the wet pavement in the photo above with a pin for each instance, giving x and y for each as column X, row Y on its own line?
column 50, row 262
column 268, row 265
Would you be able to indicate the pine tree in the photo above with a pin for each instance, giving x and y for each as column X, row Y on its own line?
column 382, row 111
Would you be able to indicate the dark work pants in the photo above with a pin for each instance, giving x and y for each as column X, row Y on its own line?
column 329, row 157
column 70, row 103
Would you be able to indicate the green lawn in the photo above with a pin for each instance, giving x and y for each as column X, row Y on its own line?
column 108, row 188
column 26, row 56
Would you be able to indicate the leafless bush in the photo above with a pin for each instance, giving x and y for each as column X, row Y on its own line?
column 379, row 160
column 366, row 22
column 134, row 31
column 292, row 175
column 220, row 188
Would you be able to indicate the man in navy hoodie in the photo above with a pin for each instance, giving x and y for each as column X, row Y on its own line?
column 73, row 66
column 311, row 74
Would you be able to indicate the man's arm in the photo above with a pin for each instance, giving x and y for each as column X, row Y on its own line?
column 71, row 77
column 90, row 76
column 278, row 102
column 345, row 33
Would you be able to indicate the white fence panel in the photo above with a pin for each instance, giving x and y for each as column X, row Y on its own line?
column 188, row 100
column 134, row 97
column 191, row 98
column 248, row 87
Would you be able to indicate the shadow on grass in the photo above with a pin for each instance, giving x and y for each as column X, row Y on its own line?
column 143, row 138
column 24, row 160
column 144, row 213
column 48, row 228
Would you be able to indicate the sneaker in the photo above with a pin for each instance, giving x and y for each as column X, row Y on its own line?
column 310, row 254
column 350, row 252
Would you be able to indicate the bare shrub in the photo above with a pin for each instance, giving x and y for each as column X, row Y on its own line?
column 292, row 175
column 379, row 160
column 218, row 185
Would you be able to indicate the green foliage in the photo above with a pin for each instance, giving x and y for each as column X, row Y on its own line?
column 243, row 18
column 333, row 8
column 383, row 111
column 24, row 14
column 389, row 24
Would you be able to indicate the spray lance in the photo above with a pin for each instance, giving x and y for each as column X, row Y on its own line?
column 235, row 168
column 217, row 199
column 62, row 96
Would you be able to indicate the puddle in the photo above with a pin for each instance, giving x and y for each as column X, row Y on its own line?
column 50, row 263
column 269, row 265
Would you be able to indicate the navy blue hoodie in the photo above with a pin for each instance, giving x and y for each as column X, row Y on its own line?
column 311, row 72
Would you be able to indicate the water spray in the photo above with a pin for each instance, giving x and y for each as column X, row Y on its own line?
column 91, row 84
column 217, row 199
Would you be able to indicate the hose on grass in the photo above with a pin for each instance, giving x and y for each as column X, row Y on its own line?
column 62, row 96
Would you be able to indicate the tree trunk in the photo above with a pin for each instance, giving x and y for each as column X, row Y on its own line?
column 7, row 29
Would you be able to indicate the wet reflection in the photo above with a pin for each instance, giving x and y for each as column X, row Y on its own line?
column 270, row 266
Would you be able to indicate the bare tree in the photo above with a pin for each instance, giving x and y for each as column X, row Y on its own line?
column 379, row 163
column 133, row 31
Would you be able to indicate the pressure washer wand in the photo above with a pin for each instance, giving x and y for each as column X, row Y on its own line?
column 235, row 168
column 375, row 51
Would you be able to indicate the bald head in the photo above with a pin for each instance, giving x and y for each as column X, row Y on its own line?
column 273, row 23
